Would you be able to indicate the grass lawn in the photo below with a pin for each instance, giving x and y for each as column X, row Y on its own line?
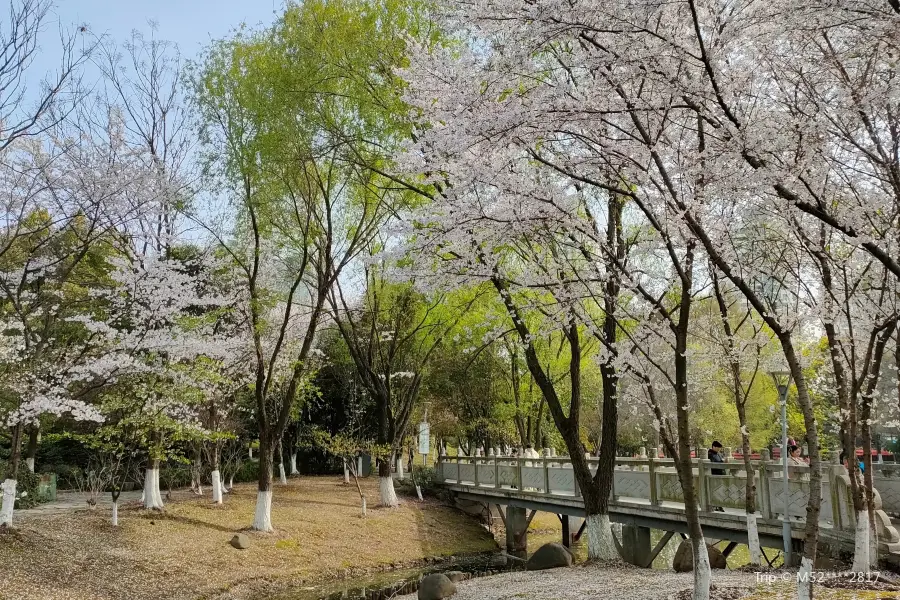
column 184, row 552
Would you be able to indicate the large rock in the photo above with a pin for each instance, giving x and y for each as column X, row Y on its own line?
column 436, row 587
column 455, row 576
column 240, row 541
column 684, row 558
column 549, row 556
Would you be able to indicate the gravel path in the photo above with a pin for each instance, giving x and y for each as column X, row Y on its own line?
column 589, row 583
column 67, row 501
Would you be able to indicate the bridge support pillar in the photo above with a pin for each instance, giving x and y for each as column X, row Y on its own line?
column 516, row 531
column 636, row 546
column 576, row 534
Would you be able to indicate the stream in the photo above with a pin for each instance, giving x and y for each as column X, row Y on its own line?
column 383, row 586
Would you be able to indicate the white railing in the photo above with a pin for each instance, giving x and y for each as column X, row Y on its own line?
column 645, row 481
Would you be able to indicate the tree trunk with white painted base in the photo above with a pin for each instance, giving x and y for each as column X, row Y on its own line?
column 215, row 476
column 294, row 470
column 8, row 488
column 753, row 540
column 601, row 545
column 115, row 514
column 386, row 485
column 152, row 497
column 861, row 560
column 804, row 579
column 230, row 483
column 702, row 570
column 262, row 519
column 216, row 487
column 29, row 462
column 346, row 473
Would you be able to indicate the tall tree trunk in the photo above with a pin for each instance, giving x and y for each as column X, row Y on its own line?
column 262, row 520
column 8, row 488
column 813, row 506
column 279, row 460
column 34, row 433
column 605, row 546
column 749, row 488
column 517, row 397
column 216, row 475
column 871, row 382
column 538, row 422
column 702, row 570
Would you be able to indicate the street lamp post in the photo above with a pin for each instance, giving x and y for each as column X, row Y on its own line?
column 782, row 383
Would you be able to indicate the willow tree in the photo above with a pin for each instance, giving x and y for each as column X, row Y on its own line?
column 298, row 127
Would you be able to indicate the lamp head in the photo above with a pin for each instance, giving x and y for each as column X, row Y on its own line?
column 781, row 377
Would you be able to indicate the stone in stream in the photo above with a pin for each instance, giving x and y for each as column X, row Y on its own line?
column 684, row 558
column 549, row 556
column 436, row 587
column 240, row 541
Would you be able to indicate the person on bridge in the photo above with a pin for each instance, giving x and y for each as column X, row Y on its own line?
column 530, row 452
column 862, row 465
column 795, row 460
column 714, row 454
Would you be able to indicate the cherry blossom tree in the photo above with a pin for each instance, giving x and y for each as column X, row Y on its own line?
column 646, row 101
column 76, row 201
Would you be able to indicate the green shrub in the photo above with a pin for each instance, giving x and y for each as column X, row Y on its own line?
column 65, row 474
column 174, row 475
column 248, row 472
column 425, row 477
column 27, row 495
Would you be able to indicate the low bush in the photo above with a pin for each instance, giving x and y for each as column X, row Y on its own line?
column 248, row 472
column 425, row 477
column 27, row 482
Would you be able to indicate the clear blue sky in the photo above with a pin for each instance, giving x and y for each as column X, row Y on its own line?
column 189, row 23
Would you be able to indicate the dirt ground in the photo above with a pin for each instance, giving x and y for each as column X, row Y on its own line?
column 184, row 552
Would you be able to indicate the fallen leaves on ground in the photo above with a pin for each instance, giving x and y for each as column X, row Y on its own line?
column 184, row 552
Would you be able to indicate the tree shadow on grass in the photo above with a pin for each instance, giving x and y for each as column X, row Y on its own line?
column 162, row 516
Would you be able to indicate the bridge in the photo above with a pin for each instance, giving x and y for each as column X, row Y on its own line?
column 647, row 495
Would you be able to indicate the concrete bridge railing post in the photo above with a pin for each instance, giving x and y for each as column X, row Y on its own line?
column 546, row 466
column 654, row 496
column 702, row 491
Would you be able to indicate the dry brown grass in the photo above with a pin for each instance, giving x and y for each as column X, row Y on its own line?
column 184, row 552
